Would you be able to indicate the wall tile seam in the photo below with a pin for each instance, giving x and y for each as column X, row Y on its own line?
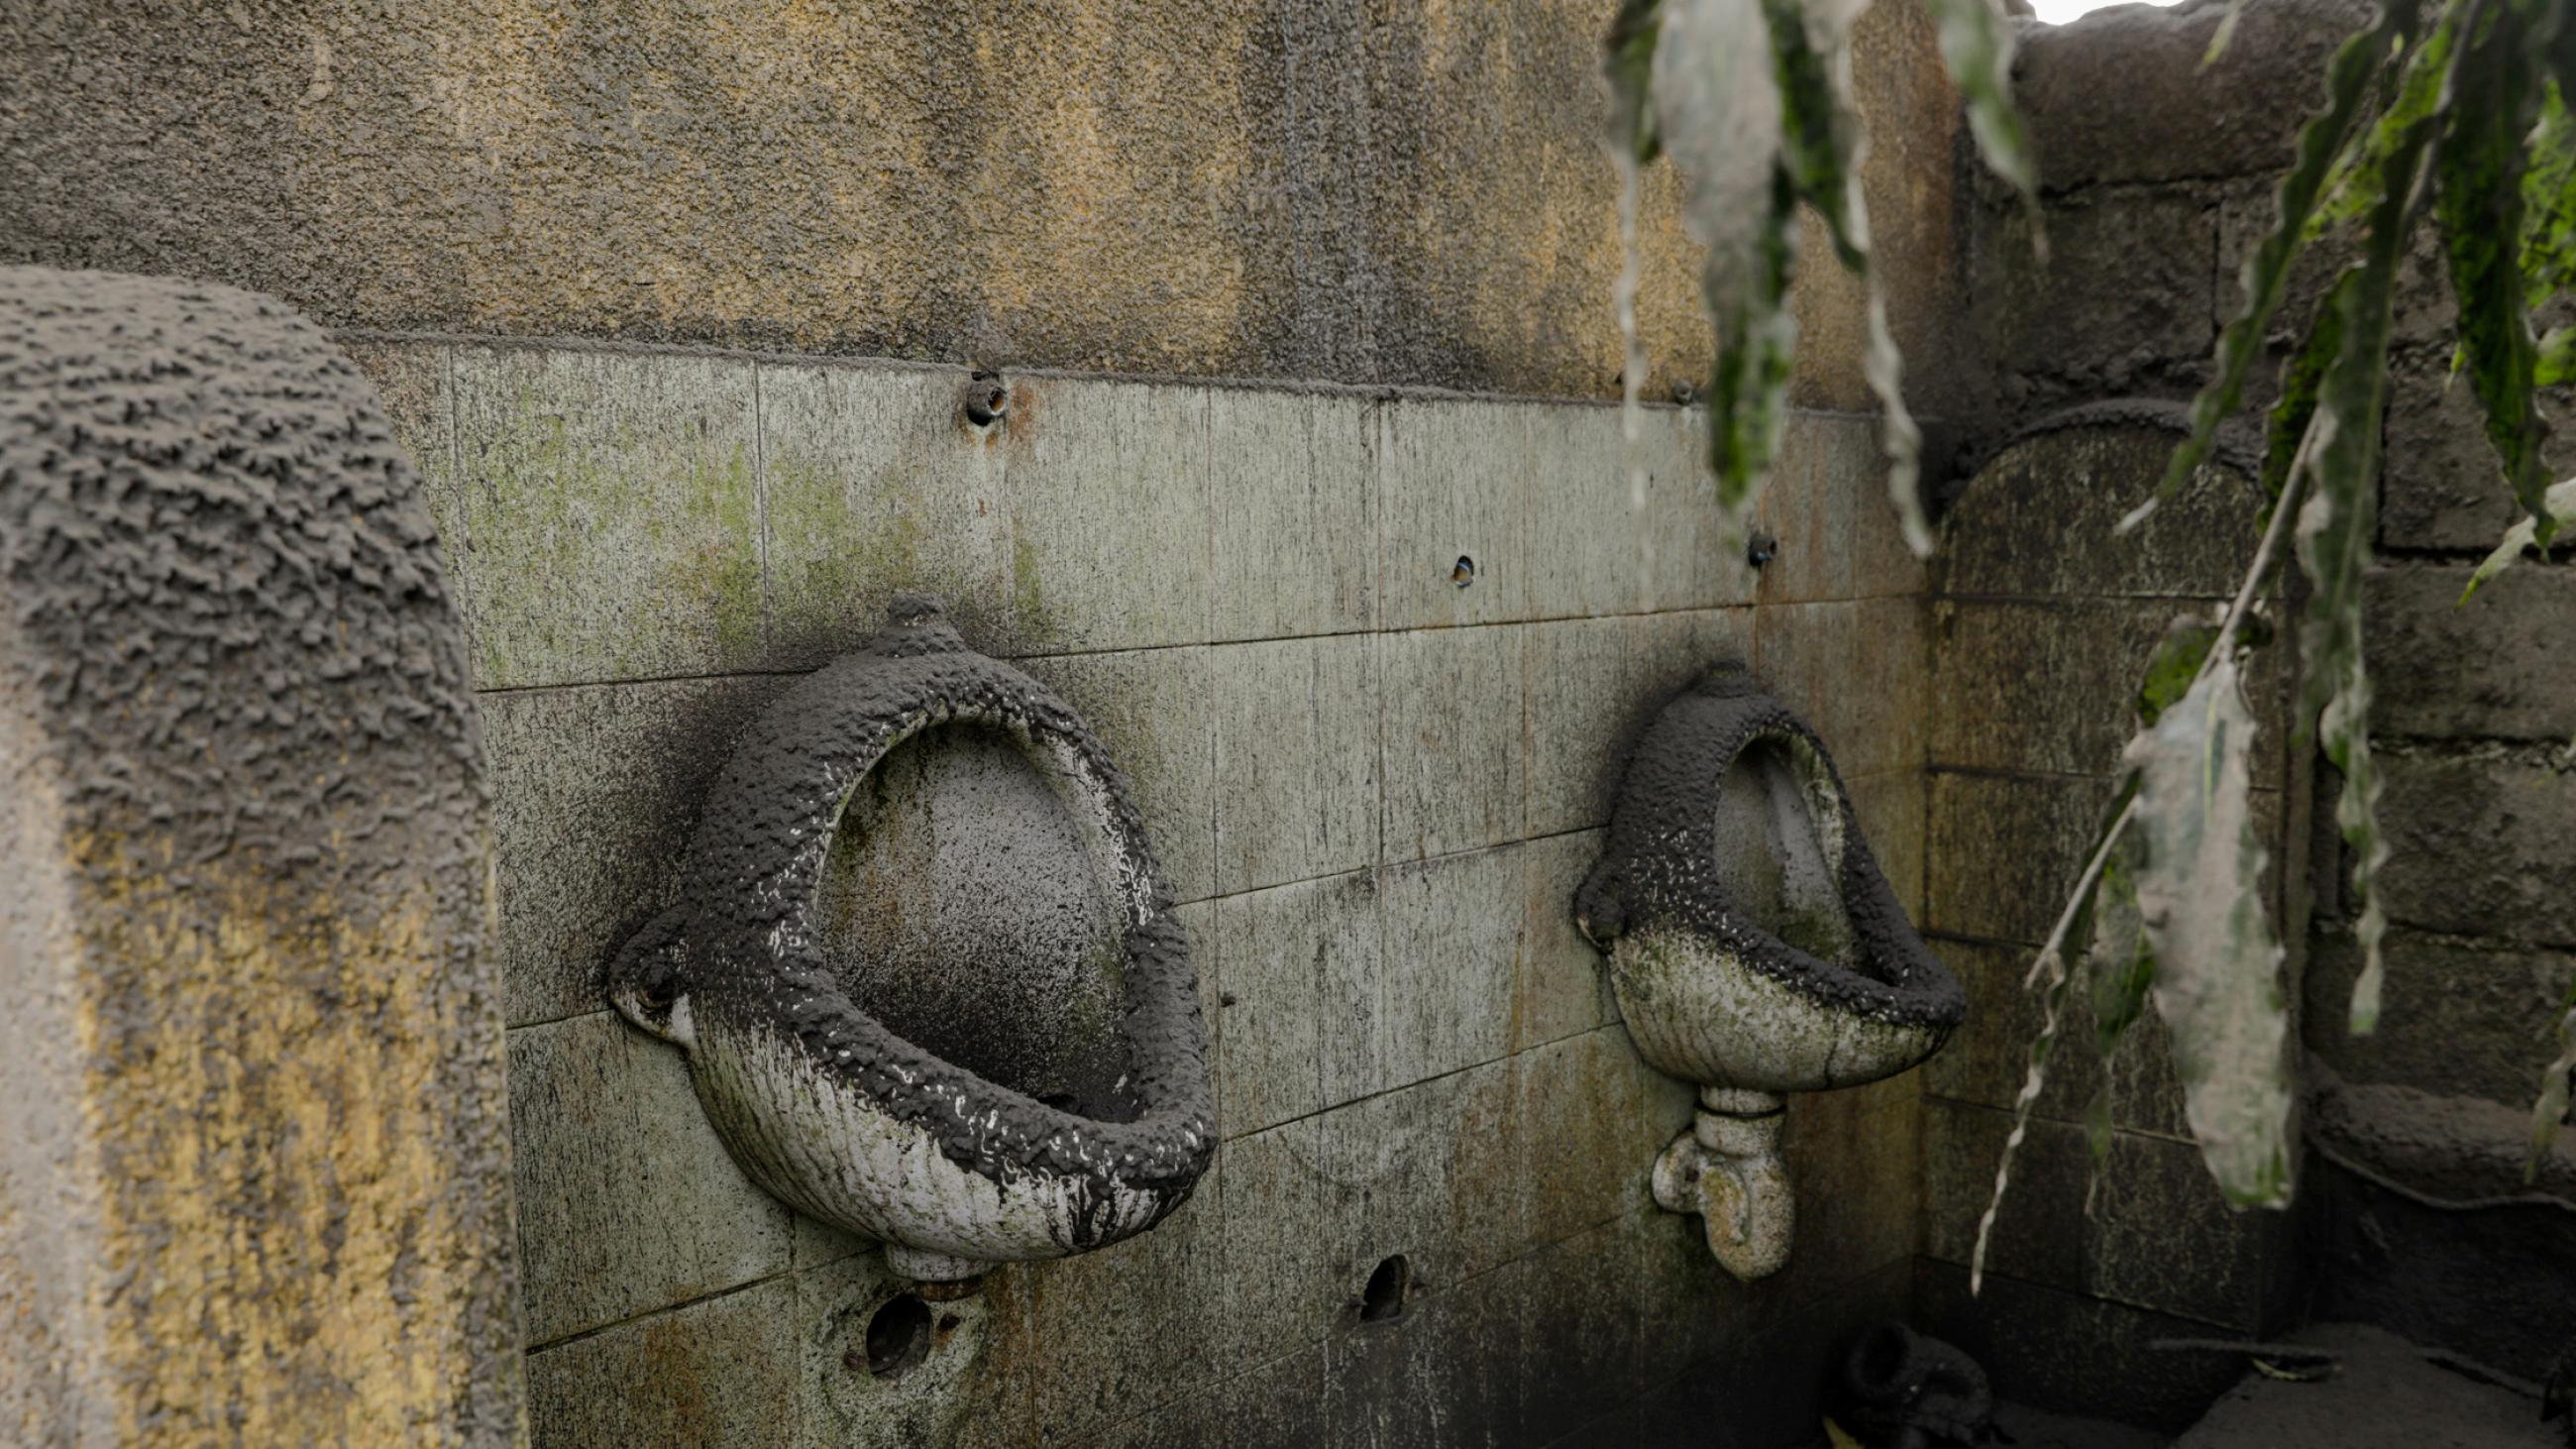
column 2073, row 195
column 1372, row 392
column 2321, row 927
column 1965, row 771
column 1329, row 877
column 2541, row 752
column 460, row 579
column 1330, row 1332
column 784, row 1275
column 2042, row 1114
column 2090, row 1295
column 2549, row 945
column 2231, row 1330
column 1506, row 1059
column 760, row 517
column 800, row 670
column 1991, row 772
column 2070, row 601
column 1349, row 874
column 2402, row 557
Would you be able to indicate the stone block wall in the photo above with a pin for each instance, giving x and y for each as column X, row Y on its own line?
column 1373, row 790
column 2158, row 176
column 2043, row 622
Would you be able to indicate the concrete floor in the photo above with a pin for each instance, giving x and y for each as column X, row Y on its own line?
column 2385, row 1396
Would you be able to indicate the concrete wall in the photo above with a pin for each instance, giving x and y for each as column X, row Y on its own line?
column 1405, row 191
column 1376, row 792
column 2159, row 177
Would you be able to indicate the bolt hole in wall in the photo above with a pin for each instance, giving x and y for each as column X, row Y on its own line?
column 985, row 398
column 898, row 1338
column 1389, row 1290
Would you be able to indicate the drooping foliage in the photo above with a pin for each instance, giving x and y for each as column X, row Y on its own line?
column 2441, row 120
column 1752, row 100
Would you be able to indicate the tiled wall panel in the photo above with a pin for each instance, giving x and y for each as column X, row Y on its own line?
column 1376, row 790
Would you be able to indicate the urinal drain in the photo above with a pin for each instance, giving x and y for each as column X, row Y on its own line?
column 898, row 1337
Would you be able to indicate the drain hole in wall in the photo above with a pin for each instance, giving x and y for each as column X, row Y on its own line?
column 1389, row 1288
column 1463, row 572
column 898, row 1337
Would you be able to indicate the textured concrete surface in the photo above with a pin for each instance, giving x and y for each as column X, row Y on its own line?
column 1296, row 737
column 255, row 1178
column 2499, row 667
column 1266, row 188
column 1452, row 746
column 2442, row 487
column 2473, row 1016
column 2127, row 94
column 627, row 1200
column 2051, row 496
column 2476, row 845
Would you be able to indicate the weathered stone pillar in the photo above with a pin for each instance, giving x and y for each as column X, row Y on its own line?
column 254, row 1165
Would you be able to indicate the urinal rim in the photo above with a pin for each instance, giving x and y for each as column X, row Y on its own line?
column 1659, row 864
column 756, row 857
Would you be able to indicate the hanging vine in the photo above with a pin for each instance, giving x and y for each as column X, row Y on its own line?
column 2448, row 113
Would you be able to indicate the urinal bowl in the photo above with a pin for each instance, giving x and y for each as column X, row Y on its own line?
column 1007, row 1092
column 1754, row 947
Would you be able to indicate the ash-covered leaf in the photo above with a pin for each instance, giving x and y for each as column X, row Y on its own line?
column 2360, row 176
column 2494, row 103
column 2217, row 968
column 1718, row 114
column 2548, row 259
column 2286, row 426
column 2346, row 733
column 2119, row 963
column 1977, row 44
column 2556, row 366
column 2267, row 271
column 1628, row 63
column 2560, row 500
column 2176, row 663
column 2123, row 970
column 2049, row 976
column 2550, row 1110
column 1822, row 149
column 2337, row 527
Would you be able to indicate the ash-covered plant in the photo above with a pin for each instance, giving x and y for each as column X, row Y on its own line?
column 2447, row 113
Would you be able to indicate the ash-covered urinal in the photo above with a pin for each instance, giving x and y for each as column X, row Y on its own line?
column 1754, row 948
column 926, row 971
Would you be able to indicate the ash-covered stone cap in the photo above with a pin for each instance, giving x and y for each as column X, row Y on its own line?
column 739, row 953
column 1660, row 868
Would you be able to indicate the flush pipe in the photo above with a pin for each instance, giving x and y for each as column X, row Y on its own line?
column 1728, row 1169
